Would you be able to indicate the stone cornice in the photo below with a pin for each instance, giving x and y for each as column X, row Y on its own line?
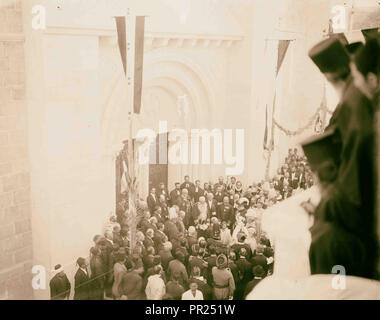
column 156, row 39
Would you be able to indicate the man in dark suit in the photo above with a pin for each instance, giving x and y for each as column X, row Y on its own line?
column 131, row 283
column 184, row 205
column 259, row 259
column 220, row 184
column 202, row 283
column 351, row 202
column 59, row 285
column 211, row 205
column 294, row 178
column 259, row 274
column 189, row 186
column 218, row 196
column 175, row 194
column 82, row 281
column 152, row 200
column 162, row 190
column 245, row 274
column 226, row 212
column 198, row 191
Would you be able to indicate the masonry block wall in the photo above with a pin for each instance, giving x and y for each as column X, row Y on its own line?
column 15, row 224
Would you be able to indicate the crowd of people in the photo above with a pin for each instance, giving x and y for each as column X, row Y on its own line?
column 205, row 241
column 195, row 242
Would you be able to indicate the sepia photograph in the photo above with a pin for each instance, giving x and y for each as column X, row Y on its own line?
column 214, row 150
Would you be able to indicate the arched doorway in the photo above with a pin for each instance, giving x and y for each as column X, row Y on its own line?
column 165, row 83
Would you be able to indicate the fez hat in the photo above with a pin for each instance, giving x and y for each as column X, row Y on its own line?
column 352, row 48
column 322, row 148
column 367, row 58
column 330, row 55
column 221, row 261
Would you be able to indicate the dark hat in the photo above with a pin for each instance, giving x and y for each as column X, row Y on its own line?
column 370, row 33
column 367, row 58
column 221, row 261
column 179, row 255
column 58, row 266
column 129, row 264
column 241, row 236
column 81, row 261
column 330, row 55
column 258, row 271
column 322, row 148
column 354, row 47
column 341, row 37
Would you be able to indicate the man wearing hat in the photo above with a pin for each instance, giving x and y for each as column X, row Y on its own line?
column 259, row 274
column 131, row 284
column 177, row 266
column 333, row 238
column 245, row 273
column 223, row 281
column 353, row 120
column 82, row 281
column 365, row 68
column 226, row 212
column 196, row 276
column 236, row 247
column 59, row 285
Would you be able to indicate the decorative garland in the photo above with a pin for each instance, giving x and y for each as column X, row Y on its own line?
column 302, row 129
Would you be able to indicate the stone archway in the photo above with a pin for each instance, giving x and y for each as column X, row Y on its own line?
column 166, row 77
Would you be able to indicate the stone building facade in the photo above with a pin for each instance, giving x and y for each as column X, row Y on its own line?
column 63, row 113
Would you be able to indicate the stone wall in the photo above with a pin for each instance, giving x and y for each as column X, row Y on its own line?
column 15, row 224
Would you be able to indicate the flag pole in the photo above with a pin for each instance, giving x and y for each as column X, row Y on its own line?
column 130, row 44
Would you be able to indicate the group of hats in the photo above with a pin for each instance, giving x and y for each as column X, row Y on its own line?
column 334, row 53
column 331, row 55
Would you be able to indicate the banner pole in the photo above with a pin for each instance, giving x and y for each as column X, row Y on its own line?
column 130, row 41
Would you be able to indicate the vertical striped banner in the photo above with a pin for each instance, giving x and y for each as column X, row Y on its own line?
column 139, row 62
column 121, row 36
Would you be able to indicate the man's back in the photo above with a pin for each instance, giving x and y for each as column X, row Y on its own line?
column 131, row 286
column 59, row 287
column 175, row 290
column 250, row 286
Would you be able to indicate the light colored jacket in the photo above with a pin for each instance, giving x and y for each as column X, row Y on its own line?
column 155, row 288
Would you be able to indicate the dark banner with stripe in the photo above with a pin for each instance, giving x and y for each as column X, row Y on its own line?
column 139, row 61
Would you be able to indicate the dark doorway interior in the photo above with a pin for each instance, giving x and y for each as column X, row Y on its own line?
column 158, row 172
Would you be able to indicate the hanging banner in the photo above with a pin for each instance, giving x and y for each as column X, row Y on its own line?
column 138, row 55
column 283, row 46
column 266, row 128
column 139, row 61
column 121, row 30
